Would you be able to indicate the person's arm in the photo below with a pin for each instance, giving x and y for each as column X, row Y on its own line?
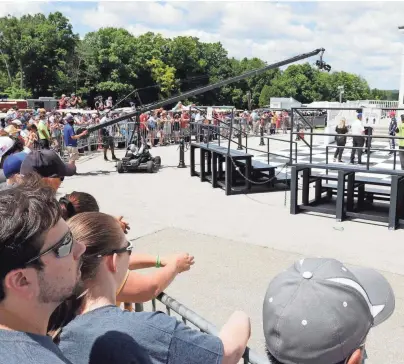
column 141, row 288
column 85, row 132
column 141, row 261
column 235, row 334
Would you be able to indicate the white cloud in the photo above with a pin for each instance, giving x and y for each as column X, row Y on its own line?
column 359, row 37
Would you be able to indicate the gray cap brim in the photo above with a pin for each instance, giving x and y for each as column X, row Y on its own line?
column 379, row 292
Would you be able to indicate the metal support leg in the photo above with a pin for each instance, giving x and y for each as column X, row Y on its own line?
column 340, row 212
column 202, row 163
column 294, row 208
column 361, row 196
column 214, row 169
column 228, row 176
column 209, row 161
column 350, row 192
column 248, row 169
column 221, row 161
column 318, row 188
column 306, row 184
column 192, row 160
column 393, row 215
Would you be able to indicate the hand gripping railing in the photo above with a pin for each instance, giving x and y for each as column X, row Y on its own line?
column 187, row 315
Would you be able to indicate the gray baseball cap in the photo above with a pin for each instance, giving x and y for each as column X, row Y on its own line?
column 319, row 311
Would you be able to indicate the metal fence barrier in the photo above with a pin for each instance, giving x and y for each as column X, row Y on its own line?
column 192, row 319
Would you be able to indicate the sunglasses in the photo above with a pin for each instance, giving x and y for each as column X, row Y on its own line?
column 126, row 249
column 61, row 249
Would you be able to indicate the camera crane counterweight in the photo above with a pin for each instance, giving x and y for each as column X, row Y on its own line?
column 201, row 90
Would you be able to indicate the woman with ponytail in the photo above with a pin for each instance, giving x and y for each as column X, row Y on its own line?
column 90, row 328
column 135, row 288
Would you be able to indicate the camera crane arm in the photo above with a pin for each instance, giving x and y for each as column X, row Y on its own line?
column 201, row 90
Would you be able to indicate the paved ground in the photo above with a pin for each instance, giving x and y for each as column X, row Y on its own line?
column 239, row 242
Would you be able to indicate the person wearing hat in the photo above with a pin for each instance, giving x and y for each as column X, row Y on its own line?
column 12, row 166
column 400, row 133
column 357, row 141
column 319, row 311
column 74, row 101
column 9, row 146
column 49, row 166
column 70, row 138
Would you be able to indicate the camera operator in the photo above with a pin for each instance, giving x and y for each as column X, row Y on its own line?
column 99, row 103
column 108, row 103
column 74, row 101
column 107, row 139
column 63, row 102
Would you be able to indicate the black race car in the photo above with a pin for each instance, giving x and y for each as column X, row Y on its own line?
column 138, row 159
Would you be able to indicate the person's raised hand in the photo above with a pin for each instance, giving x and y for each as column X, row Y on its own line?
column 124, row 225
column 182, row 261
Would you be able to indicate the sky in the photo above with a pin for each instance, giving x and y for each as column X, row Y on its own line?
column 359, row 37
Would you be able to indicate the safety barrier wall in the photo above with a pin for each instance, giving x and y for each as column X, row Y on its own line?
column 192, row 319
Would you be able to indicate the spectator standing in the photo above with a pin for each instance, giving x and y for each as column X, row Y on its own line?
column 31, row 141
column 357, row 141
column 151, row 125
column 108, row 103
column 74, row 101
column 320, row 312
column 400, row 133
column 70, row 139
column 341, row 130
column 392, row 132
column 108, row 140
column 43, row 131
column 63, row 102
column 39, row 269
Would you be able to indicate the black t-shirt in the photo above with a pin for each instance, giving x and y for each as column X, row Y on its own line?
column 343, row 130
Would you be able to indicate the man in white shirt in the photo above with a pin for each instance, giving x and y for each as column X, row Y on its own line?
column 357, row 141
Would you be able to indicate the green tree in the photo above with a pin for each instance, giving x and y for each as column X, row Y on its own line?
column 38, row 48
column 163, row 75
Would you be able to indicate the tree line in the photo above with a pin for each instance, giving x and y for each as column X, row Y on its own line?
column 42, row 56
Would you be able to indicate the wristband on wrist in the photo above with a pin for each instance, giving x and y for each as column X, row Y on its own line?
column 158, row 263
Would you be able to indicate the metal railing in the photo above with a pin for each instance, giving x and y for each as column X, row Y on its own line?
column 365, row 137
column 240, row 134
column 188, row 316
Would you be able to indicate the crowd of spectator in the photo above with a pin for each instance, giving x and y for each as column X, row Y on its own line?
column 66, row 268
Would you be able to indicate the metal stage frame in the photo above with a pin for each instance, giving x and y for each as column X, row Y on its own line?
column 355, row 186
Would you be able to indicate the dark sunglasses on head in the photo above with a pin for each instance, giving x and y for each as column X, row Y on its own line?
column 61, row 249
column 126, row 249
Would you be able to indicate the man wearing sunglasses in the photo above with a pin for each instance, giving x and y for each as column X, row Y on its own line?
column 319, row 311
column 39, row 268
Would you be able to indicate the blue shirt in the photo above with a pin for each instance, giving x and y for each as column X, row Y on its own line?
column 110, row 335
column 18, row 347
column 68, row 132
